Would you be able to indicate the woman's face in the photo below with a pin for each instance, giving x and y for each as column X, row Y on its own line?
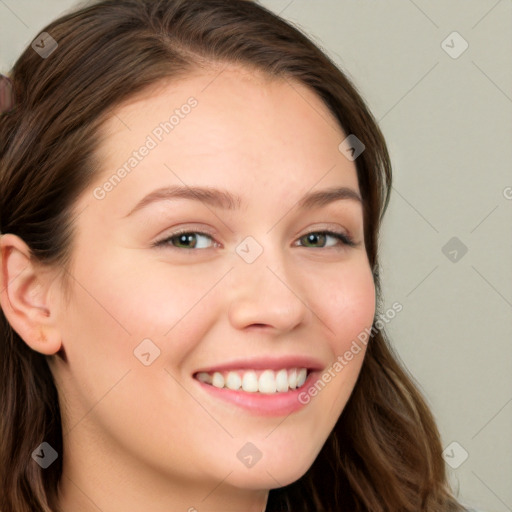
column 247, row 290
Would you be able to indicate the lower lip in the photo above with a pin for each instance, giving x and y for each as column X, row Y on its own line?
column 263, row 404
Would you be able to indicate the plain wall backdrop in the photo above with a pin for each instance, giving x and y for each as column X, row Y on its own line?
column 438, row 77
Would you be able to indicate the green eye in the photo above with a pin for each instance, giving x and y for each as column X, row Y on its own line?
column 189, row 240
column 321, row 236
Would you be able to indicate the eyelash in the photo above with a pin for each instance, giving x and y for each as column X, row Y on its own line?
column 345, row 240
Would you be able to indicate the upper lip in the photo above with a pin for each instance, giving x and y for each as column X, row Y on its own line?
column 269, row 363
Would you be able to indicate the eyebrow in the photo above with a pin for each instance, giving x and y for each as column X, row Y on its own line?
column 226, row 200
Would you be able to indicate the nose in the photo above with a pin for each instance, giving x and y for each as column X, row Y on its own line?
column 266, row 294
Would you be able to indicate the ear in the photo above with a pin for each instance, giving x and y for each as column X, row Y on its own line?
column 25, row 296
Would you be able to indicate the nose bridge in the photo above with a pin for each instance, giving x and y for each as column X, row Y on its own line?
column 262, row 288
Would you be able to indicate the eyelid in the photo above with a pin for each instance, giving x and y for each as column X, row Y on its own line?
column 201, row 229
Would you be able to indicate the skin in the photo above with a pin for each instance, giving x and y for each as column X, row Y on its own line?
column 142, row 437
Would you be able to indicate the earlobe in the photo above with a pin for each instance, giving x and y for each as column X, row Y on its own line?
column 24, row 297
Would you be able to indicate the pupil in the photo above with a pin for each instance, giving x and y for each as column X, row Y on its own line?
column 313, row 238
column 185, row 238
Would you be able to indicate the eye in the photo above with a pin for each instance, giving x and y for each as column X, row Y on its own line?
column 315, row 237
column 192, row 240
column 185, row 239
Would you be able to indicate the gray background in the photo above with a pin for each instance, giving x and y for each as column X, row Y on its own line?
column 448, row 124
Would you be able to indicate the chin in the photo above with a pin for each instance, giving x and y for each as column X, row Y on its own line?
column 270, row 475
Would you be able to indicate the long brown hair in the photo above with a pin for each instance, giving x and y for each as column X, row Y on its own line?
column 384, row 454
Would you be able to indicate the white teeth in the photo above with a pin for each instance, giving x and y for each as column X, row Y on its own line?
column 233, row 381
column 282, row 380
column 250, row 382
column 292, row 378
column 301, row 377
column 218, row 380
column 204, row 377
column 269, row 381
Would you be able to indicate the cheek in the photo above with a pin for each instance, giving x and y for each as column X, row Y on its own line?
column 113, row 309
column 346, row 304
column 138, row 297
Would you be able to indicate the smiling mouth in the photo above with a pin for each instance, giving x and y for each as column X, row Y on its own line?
column 256, row 381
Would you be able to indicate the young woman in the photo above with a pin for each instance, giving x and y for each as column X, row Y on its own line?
column 190, row 201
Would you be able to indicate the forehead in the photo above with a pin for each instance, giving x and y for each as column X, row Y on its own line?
column 236, row 127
